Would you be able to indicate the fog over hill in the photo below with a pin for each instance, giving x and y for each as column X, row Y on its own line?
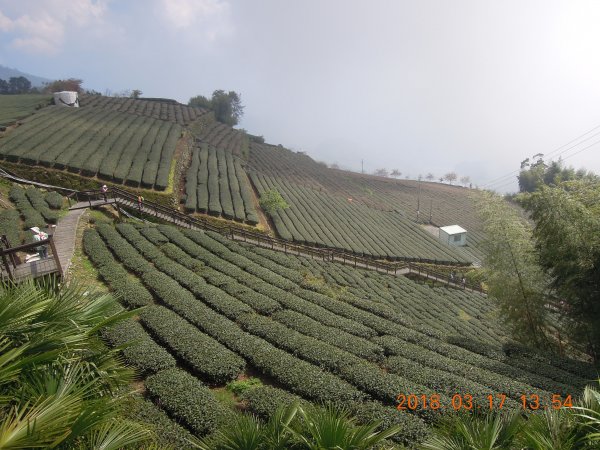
column 428, row 86
column 6, row 73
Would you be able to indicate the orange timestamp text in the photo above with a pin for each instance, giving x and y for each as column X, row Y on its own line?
column 469, row 402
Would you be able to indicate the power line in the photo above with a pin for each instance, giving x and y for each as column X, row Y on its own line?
column 514, row 172
column 579, row 151
column 566, row 157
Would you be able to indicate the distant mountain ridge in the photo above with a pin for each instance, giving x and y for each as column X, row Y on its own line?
column 7, row 72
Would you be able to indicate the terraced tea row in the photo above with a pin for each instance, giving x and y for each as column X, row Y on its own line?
column 217, row 184
column 321, row 342
column 15, row 107
column 444, row 205
column 33, row 208
column 447, row 205
column 224, row 138
column 163, row 109
column 318, row 218
column 120, row 147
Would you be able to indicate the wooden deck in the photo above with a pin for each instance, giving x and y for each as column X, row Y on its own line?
column 34, row 269
column 64, row 243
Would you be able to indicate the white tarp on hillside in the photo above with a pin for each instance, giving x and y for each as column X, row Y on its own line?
column 67, row 98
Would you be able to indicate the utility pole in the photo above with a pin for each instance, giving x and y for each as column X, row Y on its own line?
column 419, row 200
column 430, row 211
column 362, row 166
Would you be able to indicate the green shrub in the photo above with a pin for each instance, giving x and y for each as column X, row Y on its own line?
column 36, row 198
column 10, row 223
column 264, row 400
column 186, row 399
column 54, row 200
column 140, row 350
column 168, row 433
column 130, row 292
column 31, row 217
column 239, row 387
column 203, row 354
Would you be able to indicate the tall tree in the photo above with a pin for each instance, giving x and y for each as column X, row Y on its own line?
column 396, row 173
column 450, row 177
column 430, row 176
column 515, row 279
column 538, row 173
column 200, row 101
column 381, row 172
column 227, row 106
column 71, row 84
column 3, row 86
column 567, row 224
column 19, row 85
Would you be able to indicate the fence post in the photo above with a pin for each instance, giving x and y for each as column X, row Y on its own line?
column 7, row 265
column 55, row 254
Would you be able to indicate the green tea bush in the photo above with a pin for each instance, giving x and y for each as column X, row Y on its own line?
column 209, row 359
column 54, row 200
column 189, row 401
column 139, row 350
column 36, row 198
column 130, row 292
column 10, row 223
column 239, row 387
column 31, row 217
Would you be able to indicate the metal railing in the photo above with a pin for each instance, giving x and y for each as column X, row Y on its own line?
column 445, row 279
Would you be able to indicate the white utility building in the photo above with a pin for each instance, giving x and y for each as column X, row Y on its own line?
column 453, row 235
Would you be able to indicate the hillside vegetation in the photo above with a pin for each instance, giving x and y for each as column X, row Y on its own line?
column 15, row 107
column 163, row 109
column 316, row 330
column 114, row 146
column 363, row 214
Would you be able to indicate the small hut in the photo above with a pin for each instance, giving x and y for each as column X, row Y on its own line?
column 453, row 235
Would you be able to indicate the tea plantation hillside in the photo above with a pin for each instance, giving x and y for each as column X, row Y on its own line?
column 114, row 146
column 362, row 214
column 160, row 108
column 26, row 208
column 216, row 183
column 218, row 311
column 15, row 107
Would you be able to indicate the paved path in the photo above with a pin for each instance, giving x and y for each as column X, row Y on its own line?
column 64, row 238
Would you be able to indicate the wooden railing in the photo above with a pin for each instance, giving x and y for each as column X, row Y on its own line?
column 9, row 259
column 122, row 198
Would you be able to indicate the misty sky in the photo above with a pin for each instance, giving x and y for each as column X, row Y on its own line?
column 422, row 86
